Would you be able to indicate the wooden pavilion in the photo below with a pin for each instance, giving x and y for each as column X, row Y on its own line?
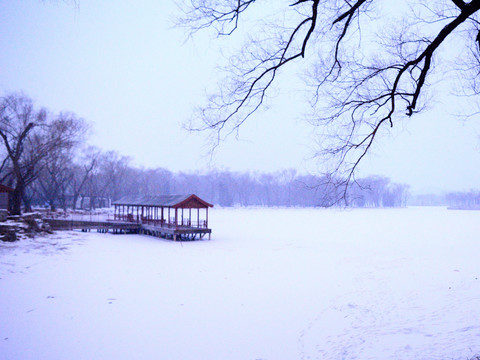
column 187, row 214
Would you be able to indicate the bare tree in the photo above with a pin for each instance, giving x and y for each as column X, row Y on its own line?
column 81, row 173
column 62, row 136
column 113, row 169
column 18, row 120
column 369, row 62
column 34, row 140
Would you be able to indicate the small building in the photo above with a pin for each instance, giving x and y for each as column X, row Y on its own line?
column 5, row 196
column 187, row 214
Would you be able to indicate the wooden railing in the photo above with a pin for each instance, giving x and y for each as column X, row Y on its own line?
column 202, row 224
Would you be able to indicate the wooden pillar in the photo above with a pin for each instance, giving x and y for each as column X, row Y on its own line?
column 206, row 221
column 161, row 221
column 176, row 217
column 168, row 220
column 198, row 217
column 182, row 216
column 138, row 219
column 190, row 217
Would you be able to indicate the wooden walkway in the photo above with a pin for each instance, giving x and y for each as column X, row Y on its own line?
column 125, row 227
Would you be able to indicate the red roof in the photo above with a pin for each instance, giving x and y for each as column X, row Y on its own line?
column 5, row 188
column 172, row 201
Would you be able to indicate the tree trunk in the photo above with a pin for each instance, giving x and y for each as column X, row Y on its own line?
column 17, row 197
column 63, row 202
column 75, row 199
column 92, row 202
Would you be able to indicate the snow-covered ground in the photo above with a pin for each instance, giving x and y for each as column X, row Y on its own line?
column 271, row 284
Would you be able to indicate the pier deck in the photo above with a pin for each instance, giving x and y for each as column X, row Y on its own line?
column 126, row 227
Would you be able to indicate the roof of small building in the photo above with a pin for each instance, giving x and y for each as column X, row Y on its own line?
column 174, row 201
column 5, row 188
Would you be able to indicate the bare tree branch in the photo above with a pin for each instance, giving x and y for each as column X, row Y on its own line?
column 360, row 86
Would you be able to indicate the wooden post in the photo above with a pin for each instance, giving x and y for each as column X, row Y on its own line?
column 206, row 221
column 198, row 217
column 161, row 221
column 176, row 218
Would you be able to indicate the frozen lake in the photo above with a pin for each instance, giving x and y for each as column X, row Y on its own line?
column 271, row 284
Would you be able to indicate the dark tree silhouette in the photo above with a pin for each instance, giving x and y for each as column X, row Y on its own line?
column 31, row 139
column 369, row 62
column 18, row 120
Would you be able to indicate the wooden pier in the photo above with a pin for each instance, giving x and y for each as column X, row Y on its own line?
column 123, row 227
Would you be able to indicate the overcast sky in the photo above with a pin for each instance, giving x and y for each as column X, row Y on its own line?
column 123, row 67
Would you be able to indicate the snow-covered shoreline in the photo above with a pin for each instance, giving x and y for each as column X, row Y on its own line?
column 271, row 284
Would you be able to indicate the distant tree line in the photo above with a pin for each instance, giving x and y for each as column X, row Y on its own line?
column 463, row 200
column 456, row 199
column 46, row 160
column 109, row 176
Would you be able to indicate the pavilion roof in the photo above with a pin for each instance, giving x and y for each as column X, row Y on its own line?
column 173, row 201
